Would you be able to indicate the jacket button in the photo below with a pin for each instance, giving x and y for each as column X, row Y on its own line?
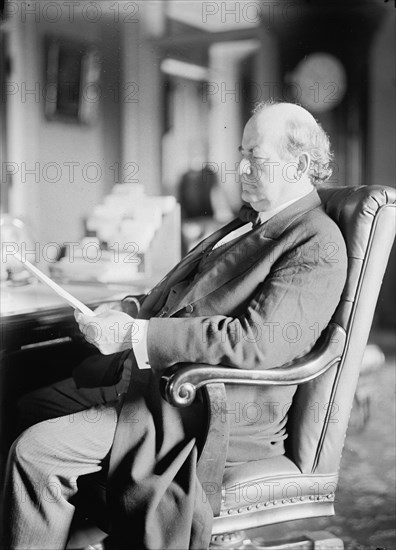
column 189, row 308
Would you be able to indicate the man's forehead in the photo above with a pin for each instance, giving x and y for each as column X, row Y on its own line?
column 268, row 121
column 260, row 133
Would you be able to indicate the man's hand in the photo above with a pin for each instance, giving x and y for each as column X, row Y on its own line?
column 109, row 330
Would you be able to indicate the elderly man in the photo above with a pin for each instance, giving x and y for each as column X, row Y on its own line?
column 256, row 294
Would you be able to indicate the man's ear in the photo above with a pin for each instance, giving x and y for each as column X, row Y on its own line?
column 304, row 162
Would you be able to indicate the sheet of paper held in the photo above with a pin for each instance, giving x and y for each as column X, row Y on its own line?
column 69, row 298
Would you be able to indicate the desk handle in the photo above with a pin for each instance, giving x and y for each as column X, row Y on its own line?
column 46, row 343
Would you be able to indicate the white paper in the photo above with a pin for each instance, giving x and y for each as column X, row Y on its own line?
column 66, row 296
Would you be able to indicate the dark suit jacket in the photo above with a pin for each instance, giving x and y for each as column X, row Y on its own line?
column 256, row 303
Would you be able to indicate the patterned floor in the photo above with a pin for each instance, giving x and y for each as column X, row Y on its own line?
column 365, row 500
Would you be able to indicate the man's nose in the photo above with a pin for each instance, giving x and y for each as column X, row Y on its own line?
column 245, row 168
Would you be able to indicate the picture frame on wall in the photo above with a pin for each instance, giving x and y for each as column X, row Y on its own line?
column 72, row 81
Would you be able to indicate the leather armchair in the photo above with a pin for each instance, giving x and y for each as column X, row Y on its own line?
column 302, row 483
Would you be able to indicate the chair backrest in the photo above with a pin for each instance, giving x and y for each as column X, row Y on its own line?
column 321, row 408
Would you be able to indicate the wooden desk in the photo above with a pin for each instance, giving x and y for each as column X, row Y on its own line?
column 33, row 315
column 41, row 342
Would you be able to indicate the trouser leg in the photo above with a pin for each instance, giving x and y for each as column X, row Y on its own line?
column 43, row 466
column 60, row 399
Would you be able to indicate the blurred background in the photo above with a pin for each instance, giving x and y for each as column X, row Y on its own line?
column 150, row 99
column 120, row 124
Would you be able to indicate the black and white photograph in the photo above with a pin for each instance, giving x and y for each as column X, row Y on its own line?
column 197, row 275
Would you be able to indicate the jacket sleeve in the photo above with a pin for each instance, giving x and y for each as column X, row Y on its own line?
column 282, row 321
column 131, row 304
column 99, row 370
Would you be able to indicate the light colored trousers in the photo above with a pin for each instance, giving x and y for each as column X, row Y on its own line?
column 46, row 460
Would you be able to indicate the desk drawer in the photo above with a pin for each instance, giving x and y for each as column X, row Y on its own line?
column 23, row 331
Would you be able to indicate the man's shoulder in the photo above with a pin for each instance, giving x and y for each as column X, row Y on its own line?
column 316, row 222
column 316, row 230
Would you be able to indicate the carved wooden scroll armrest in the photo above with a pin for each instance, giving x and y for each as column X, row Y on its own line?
column 179, row 384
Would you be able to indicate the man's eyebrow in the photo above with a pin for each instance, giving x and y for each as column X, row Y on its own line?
column 251, row 150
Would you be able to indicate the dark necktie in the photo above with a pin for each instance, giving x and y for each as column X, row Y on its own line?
column 248, row 214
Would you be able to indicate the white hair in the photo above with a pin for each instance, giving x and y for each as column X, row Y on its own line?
column 304, row 134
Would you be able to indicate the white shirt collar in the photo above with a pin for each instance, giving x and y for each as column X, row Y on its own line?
column 265, row 216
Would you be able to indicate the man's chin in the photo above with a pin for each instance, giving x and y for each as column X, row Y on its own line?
column 260, row 205
column 249, row 197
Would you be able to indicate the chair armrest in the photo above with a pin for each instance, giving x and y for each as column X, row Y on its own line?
column 180, row 383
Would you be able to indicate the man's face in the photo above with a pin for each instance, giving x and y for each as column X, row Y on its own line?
column 266, row 177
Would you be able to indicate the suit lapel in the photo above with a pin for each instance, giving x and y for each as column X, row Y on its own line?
column 181, row 271
column 235, row 258
column 275, row 226
column 184, row 268
column 238, row 256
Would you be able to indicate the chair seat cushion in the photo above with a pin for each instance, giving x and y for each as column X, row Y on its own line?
column 270, row 482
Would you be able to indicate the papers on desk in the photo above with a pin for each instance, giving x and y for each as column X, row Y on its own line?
column 109, row 267
column 61, row 292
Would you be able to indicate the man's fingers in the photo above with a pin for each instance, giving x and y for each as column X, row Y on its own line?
column 91, row 331
column 109, row 330
column 102, row 308
column 78, row 315
column 81, row 318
